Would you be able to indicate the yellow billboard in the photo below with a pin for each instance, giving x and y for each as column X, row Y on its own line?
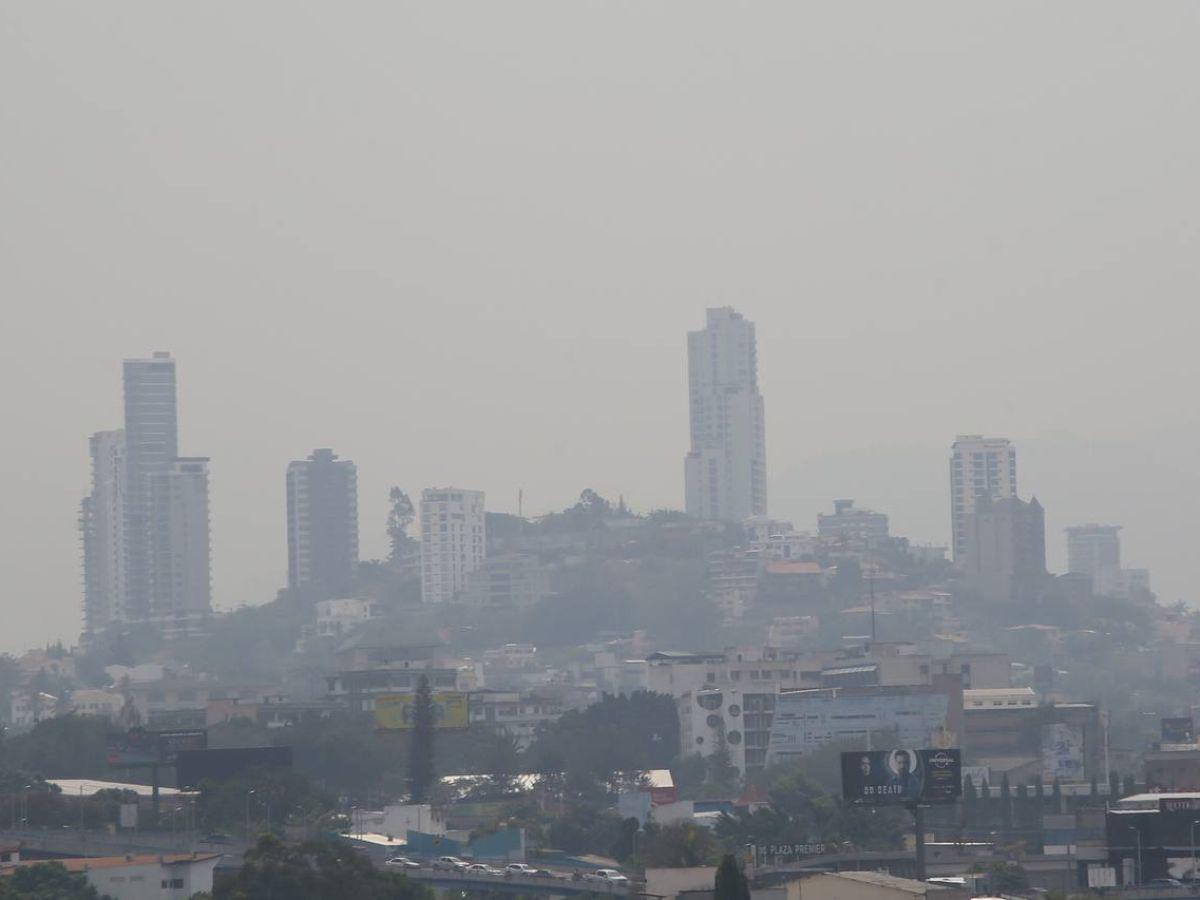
column 396, row 711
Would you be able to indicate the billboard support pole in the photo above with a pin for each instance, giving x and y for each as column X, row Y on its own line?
column 918, row 814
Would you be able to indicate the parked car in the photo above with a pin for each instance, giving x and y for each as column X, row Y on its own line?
column 520, row 869
column 1164, row 882
column 608, row 876
column 449, row 864
column 402, row 862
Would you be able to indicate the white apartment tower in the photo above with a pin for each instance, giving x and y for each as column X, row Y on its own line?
column 725, row 472
column 102, row 526
column 981, row 469
column 180, row 579
column 453, row 541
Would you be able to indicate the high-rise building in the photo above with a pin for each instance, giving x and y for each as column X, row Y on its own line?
column 1003, row 558
column 1094, row 549
column 725, row 472
column 180, row 573
column 981, row 468
column 453, row 541
column 151, row 446
column 102, row 526
column 145, row 525
column 322, row 513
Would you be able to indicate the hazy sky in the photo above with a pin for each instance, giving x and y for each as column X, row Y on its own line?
column 462, row 243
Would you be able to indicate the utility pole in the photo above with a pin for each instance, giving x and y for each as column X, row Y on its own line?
column 918, row 814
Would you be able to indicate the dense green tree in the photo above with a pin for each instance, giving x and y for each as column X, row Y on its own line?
column 400, row 518
column 627, row 733
column 47, row 881
column 320, row 870
column 420, row 760
column 679, row 844
column 730, row 883
column 68, row 746
column 285, row 797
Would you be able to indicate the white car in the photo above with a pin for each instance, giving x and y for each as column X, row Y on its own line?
column 608, row 876
column 481, row 869
column 449, row 864
column 521, row 870
column 402, row 862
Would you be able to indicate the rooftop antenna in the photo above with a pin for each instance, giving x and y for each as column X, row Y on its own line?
column 520, row 503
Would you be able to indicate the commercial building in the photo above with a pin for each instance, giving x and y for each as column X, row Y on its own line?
column 1008, row 731
column 322, row 524
column 102, row 527
column 725, row 471
column 453, row 541
column 1003, row 558
column 850, row 522
column 981, row 468
column 918, row 715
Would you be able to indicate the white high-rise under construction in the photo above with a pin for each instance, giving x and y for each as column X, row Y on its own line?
column 725, row 472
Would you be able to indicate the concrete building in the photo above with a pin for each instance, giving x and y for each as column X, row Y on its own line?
column 725, row 472
column 511, row 582
column 1003, row 557
column 1093, row 549
column 733, row 580
column 919, row 715
column 102, row 528
column 151, row 446
column 981, row 468
column 453, row 541
column 322, row 524
column 180, row 567
column 848, row 521
column 149, row 876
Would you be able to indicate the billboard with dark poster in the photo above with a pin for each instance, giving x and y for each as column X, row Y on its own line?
column 899, row 776
column 195, row 766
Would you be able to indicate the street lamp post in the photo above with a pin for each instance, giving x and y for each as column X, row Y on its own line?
column 1137, row 875
column 249, row 794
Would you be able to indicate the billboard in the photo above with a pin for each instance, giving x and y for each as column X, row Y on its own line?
column 396, row 711
column 881, row 777
column 138, row 747
column 1062, row 753
column 195, row 766
column 1178, row 730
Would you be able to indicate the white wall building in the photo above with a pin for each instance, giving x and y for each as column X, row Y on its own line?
column 181, row 576
column 453, row 541
column 981, row 468
column 145, row 877
column 725, row 472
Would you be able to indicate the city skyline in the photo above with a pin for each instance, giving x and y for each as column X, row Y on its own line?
column 917, row 265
